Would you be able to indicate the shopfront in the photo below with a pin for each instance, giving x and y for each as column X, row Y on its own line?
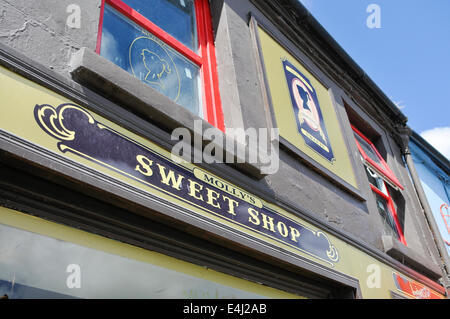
column 93, row 204
column 42, row 258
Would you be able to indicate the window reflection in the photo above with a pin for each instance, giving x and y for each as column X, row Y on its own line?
column 368, row 149
column 388, row 221
column 35, row 266
column 375, row 179
column 176, row 17
column 150, row 60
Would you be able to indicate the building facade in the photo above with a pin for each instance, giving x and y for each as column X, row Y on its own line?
column 98, row 96
column 431, row 179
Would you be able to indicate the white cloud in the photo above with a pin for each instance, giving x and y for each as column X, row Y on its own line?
column 439, row 137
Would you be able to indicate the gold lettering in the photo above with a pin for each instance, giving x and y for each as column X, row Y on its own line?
column 169, row 179
column 227, row 187
column 254, row 219
column 315, row 140
column 212, row 197
column 195, row 188
column 294, row 234
column 144, row 168
column 268, row 221
column 231, row 204
column 282, row 229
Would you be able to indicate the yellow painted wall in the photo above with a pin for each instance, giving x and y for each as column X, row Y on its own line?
column 274, row 54
column 20, row 96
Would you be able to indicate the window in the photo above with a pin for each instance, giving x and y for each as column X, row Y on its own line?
column 372, row 158
column 380, row 176
column 105, row 268
column 167, row 44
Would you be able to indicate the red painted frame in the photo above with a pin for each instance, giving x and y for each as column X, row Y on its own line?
column 385, row 171
column 392, row 210
column 205, row 58
column 408, row 287
column 100, row 27
column 445, row 217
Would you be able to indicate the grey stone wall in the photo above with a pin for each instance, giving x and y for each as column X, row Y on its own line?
column 297, row 182
column 294, row 181
column 39, row 29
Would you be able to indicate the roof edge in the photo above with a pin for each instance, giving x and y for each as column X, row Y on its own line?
column 359, row 75
column 437, row 157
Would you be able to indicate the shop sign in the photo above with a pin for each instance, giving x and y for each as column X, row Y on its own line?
column 414, row 289
column 78, row 132
column 308, row 115
column 303, row 107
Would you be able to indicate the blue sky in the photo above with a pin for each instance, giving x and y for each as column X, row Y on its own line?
column 408, row 57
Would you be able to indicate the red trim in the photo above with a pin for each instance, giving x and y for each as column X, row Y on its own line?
column 385, row 170
column 415, row 289
column 397, row 223
column 379, row 192
column 427, row 281
column 205, row 69
column 100, row 28
column 445, row 217
column 212, row 107
column 135, row 16
column 391, row 207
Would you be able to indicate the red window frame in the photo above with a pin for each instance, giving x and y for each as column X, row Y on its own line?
column 384, row 170
column 391, row 207
column 445, row 217
column 205, row 58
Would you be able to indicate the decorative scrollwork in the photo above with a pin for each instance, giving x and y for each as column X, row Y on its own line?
column 332, row 252
column 51, row 120
column 80, row 134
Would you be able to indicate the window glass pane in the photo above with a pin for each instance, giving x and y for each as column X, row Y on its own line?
column 176, row 17
column 36, row 266
column 375, row 179
column 152, row 61
column 367, row 148
column 386, row 216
